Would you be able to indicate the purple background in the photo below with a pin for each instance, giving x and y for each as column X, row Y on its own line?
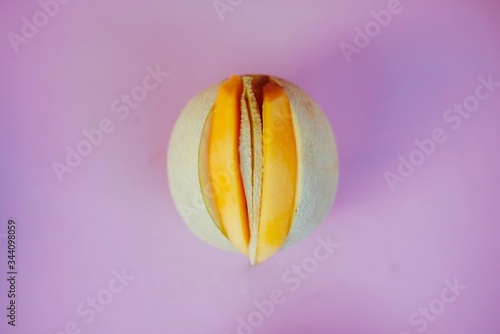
column 114, row 210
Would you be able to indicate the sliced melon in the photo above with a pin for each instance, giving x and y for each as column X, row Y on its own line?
column 248, row 165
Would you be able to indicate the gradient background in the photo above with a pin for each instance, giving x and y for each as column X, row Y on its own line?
column 114, row 210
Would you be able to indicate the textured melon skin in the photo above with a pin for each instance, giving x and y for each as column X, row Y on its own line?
column 182, row 168
column 318, row 167
column 317, row 155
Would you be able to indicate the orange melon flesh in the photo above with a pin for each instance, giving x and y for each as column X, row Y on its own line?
column 279, row 172
column 223, row 156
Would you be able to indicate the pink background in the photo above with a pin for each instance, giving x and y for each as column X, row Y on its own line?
column 114, row 210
